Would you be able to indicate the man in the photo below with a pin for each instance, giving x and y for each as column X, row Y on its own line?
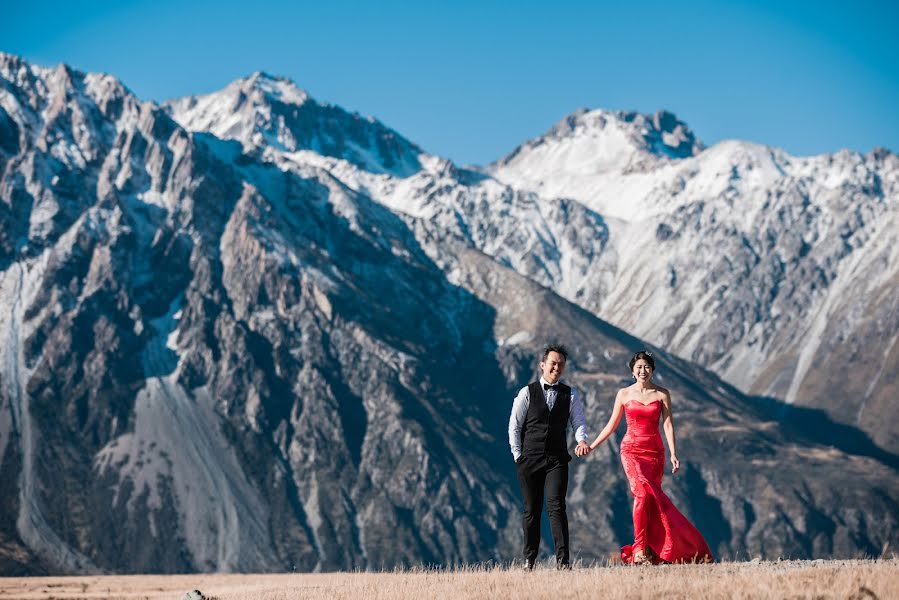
column 538, row 438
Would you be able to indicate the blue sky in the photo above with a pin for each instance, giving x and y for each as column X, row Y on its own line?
column 472, row 80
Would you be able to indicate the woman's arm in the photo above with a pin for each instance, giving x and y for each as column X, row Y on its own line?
column 614, row 419
column 668, row 426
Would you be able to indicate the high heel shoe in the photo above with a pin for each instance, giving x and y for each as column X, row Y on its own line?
column 641, row 559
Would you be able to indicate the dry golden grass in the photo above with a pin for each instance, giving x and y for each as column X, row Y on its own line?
column 855, row 579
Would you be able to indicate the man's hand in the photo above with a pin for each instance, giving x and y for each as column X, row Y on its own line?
column 582, row 449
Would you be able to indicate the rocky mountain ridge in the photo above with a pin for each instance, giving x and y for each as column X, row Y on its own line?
column 771, row 270
column 237, row 355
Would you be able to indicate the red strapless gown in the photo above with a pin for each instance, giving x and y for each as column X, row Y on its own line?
column 658, row 525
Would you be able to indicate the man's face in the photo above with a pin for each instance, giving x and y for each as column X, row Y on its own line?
column 552, row 367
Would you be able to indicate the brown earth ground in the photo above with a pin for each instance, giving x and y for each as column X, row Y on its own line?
column 855, row 579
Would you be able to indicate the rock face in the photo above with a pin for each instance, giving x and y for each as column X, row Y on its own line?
column 249, row 332
column 203, row 377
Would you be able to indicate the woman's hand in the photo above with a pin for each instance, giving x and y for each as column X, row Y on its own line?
column 675, row 465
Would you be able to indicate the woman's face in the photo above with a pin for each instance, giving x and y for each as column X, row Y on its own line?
column 642, row 371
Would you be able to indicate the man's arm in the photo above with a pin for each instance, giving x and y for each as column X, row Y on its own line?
column 516, row 420
column 579, row 423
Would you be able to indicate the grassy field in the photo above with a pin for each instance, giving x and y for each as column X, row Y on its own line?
column 855, row 579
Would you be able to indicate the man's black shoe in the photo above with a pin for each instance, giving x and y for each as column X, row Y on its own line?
column 529, row 565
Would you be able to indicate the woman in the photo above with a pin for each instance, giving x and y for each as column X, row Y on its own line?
column 661, row 532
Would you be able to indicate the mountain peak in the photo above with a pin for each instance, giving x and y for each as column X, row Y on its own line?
column 274, row 87
column 10, row 61
column 590, row 154
column 263, row 111
column 665, row 134
column 618, row 136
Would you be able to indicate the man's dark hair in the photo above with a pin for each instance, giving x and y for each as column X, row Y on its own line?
column 555, row 348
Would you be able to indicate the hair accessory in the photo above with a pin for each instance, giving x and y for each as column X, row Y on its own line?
column 649, row 354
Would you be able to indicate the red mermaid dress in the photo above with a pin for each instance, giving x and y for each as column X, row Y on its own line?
column 659, row 528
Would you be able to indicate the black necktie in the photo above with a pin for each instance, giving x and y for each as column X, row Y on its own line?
column 548, row 386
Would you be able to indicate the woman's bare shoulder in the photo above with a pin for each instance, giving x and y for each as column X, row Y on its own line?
column 623, row 392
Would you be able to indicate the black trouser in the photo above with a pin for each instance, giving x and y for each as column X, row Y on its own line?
column 536, row 474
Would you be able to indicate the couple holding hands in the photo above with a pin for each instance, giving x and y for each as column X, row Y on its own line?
column 538, row 427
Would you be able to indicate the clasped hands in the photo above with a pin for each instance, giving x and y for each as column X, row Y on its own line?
column 582, row 449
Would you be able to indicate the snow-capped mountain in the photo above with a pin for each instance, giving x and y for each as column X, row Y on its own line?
column 607, row 157
column 272, row 112
column 740, row 256
column 199, row 377
column 241, row 336
column 776, row 272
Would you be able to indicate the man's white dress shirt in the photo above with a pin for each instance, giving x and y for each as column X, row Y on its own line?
column 520, row 411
